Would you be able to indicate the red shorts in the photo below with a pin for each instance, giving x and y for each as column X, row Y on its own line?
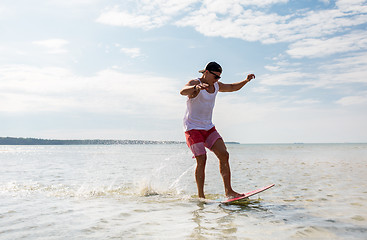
column 197, row 140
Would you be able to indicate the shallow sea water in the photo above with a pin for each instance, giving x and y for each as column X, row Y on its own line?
column 149, row 192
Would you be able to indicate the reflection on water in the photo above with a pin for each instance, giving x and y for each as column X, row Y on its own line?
column 212, row 222
column 221, row 221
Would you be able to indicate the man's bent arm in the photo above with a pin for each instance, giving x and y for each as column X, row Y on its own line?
column 190, row 88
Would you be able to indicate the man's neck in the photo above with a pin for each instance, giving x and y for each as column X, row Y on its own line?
column 203, row 80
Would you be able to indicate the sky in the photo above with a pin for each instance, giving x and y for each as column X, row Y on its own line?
column 98, row 69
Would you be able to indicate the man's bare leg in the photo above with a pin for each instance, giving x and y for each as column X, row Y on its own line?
column 220, row 150
column 200, row 174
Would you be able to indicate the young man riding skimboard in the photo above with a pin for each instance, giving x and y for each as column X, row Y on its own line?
column 200, row 131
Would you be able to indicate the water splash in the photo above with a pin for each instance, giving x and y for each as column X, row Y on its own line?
column 175, row 183
column 162, row 182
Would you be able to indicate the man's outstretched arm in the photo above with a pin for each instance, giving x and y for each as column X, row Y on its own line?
column 232, row 87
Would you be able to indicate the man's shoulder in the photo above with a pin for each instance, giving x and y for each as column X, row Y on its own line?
column 222, row 86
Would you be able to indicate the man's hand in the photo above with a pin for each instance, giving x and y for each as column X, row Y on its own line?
column 250, row 77
column 202, row 86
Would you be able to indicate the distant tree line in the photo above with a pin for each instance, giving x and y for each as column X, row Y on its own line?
column 38, row 141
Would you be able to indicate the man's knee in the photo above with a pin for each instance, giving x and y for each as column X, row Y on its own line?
column 201, row 160
column 223, row 155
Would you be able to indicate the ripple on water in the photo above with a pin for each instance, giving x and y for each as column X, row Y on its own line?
column 314, row 232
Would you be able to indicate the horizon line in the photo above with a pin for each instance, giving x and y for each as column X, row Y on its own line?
column 138, row 141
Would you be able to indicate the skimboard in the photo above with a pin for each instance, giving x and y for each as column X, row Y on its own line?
column 246, row 195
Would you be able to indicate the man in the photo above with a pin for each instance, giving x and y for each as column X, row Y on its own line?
column 200, row 132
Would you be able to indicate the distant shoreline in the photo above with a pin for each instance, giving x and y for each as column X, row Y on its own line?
column 39, row 141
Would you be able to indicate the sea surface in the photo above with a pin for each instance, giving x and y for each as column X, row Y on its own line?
column 149, row 192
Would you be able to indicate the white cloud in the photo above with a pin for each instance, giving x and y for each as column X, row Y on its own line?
column 132, row 52
column 30, row 89
column 53, row 46
column 342, row 73
column 290, row 78
column 260, row 89
column 73, row 3
column 353, row 100
column 240, row 23
column 172, row 7
column 146, row 14
column 149, row 14
column 352, row 5
column 256, row 25
column 252, row 21
column 355, row 62
column 261, row 3
column 116, row 17
column 322, row 47
column 272, row 68
column 307, row 101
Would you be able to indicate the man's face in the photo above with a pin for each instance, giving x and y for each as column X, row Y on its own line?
column 213, row 76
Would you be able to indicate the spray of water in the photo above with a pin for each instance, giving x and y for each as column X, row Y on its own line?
column 163, row 181
column 175, row 184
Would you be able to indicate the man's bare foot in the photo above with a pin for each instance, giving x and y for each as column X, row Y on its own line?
column 234, row 194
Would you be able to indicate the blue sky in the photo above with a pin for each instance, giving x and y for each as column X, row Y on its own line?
column 113, row 69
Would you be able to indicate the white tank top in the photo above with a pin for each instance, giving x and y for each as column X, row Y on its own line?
column 199, row 110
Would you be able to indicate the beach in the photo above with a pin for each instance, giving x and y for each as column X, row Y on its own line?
column 146, row 191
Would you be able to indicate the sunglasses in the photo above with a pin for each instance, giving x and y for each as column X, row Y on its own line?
column 215, row 75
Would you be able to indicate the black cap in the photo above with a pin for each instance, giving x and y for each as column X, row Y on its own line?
column 212, row 66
